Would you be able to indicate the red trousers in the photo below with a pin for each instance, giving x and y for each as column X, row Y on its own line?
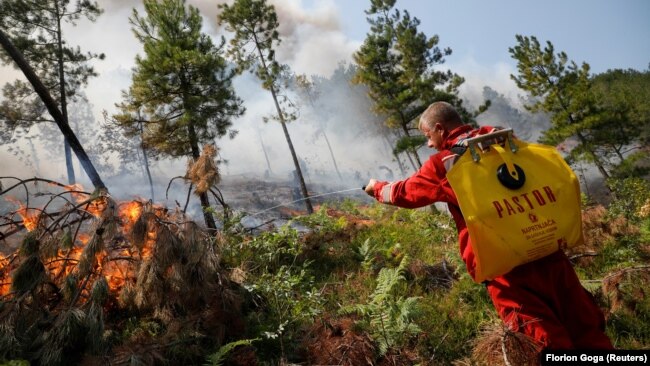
column 545, row 300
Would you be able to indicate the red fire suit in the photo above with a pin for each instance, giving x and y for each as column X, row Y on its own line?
column 543, row 299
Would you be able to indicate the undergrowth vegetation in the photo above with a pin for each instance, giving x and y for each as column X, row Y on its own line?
column 390, row 283
column 365, row 285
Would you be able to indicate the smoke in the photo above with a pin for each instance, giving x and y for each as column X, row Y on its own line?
column 496, row 76
column 313, row 43
column 312, row 40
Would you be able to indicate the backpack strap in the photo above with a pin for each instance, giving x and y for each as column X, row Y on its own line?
column 459, row 148
column 457, row 151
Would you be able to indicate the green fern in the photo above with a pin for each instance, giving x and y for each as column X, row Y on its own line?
column 389, row 316
column 366, row 253
column 217, row 358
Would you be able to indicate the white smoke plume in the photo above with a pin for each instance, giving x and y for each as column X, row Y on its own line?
column 313, row 43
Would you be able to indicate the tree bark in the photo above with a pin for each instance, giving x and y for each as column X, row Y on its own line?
column 146, row 161
column 597, row 162
column 266, row 156
column 296, row 163
column 331, row 154
column 62, row 97
column 391, row 151
column 53, row 109
column 411, row 150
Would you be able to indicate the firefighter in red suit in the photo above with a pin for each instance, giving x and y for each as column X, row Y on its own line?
column 542, row 299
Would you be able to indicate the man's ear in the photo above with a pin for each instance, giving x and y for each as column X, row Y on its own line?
column 439, row 127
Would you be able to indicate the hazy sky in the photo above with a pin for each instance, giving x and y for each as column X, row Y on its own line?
column 604, row 33
column 318, row 34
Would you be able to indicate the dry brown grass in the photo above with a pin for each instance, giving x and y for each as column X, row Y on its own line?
column 441, row 275
column 203, row 172
column 336, row 342
column 499, row 345
column 597, row 230
column 624, row 288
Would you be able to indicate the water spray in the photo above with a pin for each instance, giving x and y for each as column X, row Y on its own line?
column 302, row 199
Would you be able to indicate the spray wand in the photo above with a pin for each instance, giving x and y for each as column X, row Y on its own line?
column 302, row 199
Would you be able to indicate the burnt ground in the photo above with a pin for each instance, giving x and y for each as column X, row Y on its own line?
column 274, row 200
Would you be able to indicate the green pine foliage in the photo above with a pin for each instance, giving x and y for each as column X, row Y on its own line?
column 397, row 64
column 181, row 96
column 254, row 25
column 35, row 28
column 592, row 111
column 182, row 86
column 624, row 93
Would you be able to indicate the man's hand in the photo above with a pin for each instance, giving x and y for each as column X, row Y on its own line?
column 370, row 187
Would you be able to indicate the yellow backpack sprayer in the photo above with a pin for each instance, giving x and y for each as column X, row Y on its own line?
column 520, row 200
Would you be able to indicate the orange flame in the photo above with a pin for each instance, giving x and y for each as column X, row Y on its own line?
column 83, row 238
column 117, row 264
column 131, row 211
column 64, row 262
column 149, row 244
column 29, row 216
column 96, row 207
column 5, row 279
column 76, row 191
column 117, row 273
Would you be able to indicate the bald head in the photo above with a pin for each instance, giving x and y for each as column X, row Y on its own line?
column 443, row 113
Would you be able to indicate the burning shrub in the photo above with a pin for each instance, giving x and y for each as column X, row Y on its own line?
column 82, row 270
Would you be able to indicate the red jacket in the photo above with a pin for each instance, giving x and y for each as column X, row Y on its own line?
column 543, row 299
column 429, row 185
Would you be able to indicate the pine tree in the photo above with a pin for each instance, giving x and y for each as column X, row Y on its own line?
column 565, row 91
column 50, row 104
column 35, row 28
column 182, row 84
column 254, row 24
column 396, row 63
column 625, row 94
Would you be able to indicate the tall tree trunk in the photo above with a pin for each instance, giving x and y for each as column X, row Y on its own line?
column 392, row 151
column 406, row 152
column 411, row 150
column 205, row 202
column 68, row 161
column 52, row 107
column 597, row 162
column 322, row 130
column 332, row 154
column 62, row 97
column 146, row 161
column 296, row 163
column 266, row 156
